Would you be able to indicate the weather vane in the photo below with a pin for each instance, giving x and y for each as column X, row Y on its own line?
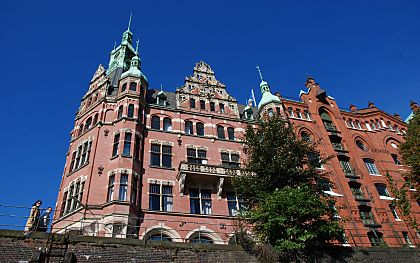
column 259, row 72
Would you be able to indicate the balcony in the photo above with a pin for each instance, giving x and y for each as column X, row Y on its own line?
column 206, row 173
column 329, row 126
column 351, row 173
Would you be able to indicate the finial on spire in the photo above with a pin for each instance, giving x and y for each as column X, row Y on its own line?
column 115, row 45
column 161, row 87
column 129, row 22
column 259, row 71
column 137, row 45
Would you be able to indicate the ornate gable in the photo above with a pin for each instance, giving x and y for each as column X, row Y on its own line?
column 203, row 83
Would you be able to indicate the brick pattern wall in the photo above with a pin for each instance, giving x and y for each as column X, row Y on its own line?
column 13, row 248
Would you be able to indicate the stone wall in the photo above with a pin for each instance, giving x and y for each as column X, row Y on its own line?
column 15, row 248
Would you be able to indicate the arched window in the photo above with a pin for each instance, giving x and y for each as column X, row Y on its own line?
column 81, row 129
column 201, row 240
column 167, row 124
column 200, row 128
column 123, row 87
column 189, row 127
column 305, row 136
column 326, row 119
column 130, row 113
column 155, row 122
column 159, row 237
column 231, row 133
column 95, row 119
column 220, row 132
column 120, row 112
column 88, row 123
column 133, row 86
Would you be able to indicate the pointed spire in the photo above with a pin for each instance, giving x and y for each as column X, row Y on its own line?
column 115, row 45
column 161, row 87
column 259, row 72
column 137, row 46
column 129, row 22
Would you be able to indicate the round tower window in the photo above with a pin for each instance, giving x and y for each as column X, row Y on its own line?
column 394, row 145
column 361, row 145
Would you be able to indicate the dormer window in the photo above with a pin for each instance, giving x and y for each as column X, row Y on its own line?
column 290, row 111
column 222, row 107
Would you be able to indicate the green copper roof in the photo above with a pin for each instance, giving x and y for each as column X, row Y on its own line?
column 267, row 97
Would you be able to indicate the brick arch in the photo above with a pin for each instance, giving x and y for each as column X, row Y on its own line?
column 161, row 228
column 205, row 232
column 309, row 130
column 357, row 136
column 390, row 138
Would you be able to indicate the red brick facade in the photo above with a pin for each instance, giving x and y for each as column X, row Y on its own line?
column 145, row 163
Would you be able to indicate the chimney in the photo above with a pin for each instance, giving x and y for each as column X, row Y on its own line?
column 353, row 108
column 277, row 94
column 413, row 105
column 310, row 82
column 396, row 115
column 371, row 104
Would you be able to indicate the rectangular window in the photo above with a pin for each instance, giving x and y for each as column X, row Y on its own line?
column 137, row 147
column 235, row 204
column 155, row 155
column 382, row 191
column 315, row 159
column 80, row 194
column 75, row 204
column 371, row 167
column 134, row 189
column 198, row 156
column 202, row 104
column 73, row 159
column 192, row 103
column 356, row 191
column 63, row 204
column 127, row 144
column 395, row 158
column 394, row 212
column 222, row 108
column 69, row 200
column 161, row 155
column 345, row 165
column 115, row 145
column 78, row 157
column 84, row 154
column 290, row 111
column 230, row 160
column 200, row 201
column 123, row 188
column 407, row 239
column 160, row 197
column 299, row 114
column 212, row 106
column 110, row 195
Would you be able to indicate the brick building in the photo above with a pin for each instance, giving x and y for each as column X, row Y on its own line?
column 151, row 164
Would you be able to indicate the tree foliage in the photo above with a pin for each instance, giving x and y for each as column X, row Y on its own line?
column 410, row 151
column 284, row 203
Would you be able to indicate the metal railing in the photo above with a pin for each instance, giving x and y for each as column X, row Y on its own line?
column 192, row 230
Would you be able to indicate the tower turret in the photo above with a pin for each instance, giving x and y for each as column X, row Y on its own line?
column 267, row 96
column 121, row 56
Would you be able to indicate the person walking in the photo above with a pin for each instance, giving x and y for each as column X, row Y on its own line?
column 32, row 222
column 44, row 220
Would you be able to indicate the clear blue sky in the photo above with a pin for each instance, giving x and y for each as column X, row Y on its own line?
column 49, row 50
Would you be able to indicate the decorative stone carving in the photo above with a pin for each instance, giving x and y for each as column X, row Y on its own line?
column 99, row 72
column 220, row 187
column 182, row 178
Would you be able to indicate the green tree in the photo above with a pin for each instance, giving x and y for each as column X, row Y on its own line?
column 284, row 203
column 410, row 151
